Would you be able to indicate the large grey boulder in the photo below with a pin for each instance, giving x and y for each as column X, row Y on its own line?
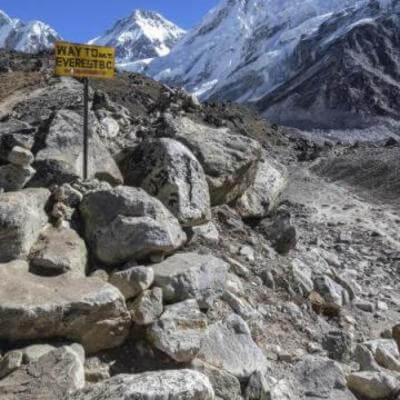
column 228, row 345
column 15, row 177
column 191, row 276
column 85, row 310
column 162, row 385
column 373, row 385
column 22, row 216
column 168, row 170
column 322, row 378
column 56, row 375
column 225, row 385
column 58, row 251
column 179, row 331
column 375, row 355
column 263, row 196
column 126, row 223
column 61, row 158
column 229, row 160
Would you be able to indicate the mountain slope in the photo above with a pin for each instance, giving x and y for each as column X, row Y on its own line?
column 30, row 37
column 142, row 35
column 308, row 64
column 354, row 83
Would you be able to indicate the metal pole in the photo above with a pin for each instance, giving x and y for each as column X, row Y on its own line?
column 85, row 128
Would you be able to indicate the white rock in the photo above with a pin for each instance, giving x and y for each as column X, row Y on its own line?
column 191, row 275
column 132, row 281
column 179, row 331
column 22, row 216
column 228, row 345
column 20, row 156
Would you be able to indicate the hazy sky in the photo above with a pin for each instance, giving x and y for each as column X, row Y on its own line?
column 80, row 20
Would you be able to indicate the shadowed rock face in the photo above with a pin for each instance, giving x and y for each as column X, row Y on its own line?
column 353, row 83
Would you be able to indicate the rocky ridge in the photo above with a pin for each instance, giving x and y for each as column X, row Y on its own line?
column 211, row 255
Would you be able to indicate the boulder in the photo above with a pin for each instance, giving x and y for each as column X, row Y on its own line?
column 384, row 351
column 132, row 281
column 15, row 177
column 228, row 345
column 20, row 156
column 59, row 251
column 230, row 161
column 126, row 223
column 161, row 385
column 10, row 362
column 63, row 152
column 373, row 385
column 22, row 216
column 321, row 377
column 225, row 385
column 179, row 331
column 207, row 232
column 168, row 170
column 191, row 275
column 56, row 375
column 15, row 133
column 85, row 310
column 263, row 196
column 147, row 307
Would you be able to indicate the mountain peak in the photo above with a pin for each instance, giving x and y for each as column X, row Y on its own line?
column 141, row 35
column 29, row 37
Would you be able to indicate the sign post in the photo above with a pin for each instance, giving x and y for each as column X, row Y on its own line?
column 85, row 61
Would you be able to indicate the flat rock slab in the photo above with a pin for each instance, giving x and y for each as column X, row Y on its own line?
column 85, row 310
column 22, row 216
column 165, row 385
column 53, row 376
column 191, row 276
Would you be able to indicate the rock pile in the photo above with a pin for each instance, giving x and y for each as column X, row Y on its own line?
column 174, row 271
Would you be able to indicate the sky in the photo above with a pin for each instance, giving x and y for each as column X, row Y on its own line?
column 81, row 20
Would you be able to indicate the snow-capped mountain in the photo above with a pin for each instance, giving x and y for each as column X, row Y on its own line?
column 141, row 36
column 30, row 37
column 273, row 53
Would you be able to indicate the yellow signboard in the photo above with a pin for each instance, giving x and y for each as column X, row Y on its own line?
column 84, row 61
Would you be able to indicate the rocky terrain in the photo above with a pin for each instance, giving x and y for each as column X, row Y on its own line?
column 210, row 256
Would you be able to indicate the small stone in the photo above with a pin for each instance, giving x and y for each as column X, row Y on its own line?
column 10, row 362
column 381, row 306
column 248, row 253
column 365, row 306
column 100, row 274
column 313, row 347
column 338, row 345
column 207, row 232
column 132, row 281
column 179, row 331
column 20, row 156
column 147, row 307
